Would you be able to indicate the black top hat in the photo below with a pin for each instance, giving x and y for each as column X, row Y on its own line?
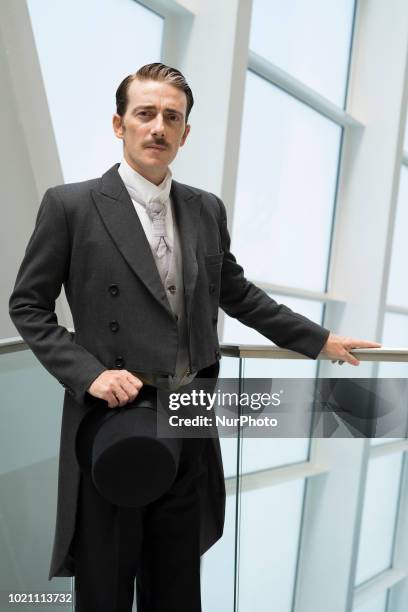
column 130, row 465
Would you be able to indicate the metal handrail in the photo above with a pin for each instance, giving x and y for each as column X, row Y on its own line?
column 259, row 351
column 276, row 352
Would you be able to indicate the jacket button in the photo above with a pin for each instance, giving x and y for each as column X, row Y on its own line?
column 211, row 288
column 218, row 354
column 114, row 326
column 172, row 288
column 176, row 317
column 113, row 289
column 119, row 362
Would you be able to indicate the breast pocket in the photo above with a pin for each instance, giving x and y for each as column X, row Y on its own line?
column 214, row 259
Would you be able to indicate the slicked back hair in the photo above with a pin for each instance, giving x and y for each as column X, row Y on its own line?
column 154, row 72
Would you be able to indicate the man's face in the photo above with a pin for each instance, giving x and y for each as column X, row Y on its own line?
column 153, row 127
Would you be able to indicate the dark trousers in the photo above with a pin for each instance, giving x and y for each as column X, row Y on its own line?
column 158, row 545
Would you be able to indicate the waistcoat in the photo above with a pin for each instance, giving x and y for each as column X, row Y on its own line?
column 174, row 288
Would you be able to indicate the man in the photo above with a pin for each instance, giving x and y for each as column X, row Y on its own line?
column 146, row 263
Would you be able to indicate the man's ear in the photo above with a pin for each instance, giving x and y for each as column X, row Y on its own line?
column 117, row 125
column 186, row 133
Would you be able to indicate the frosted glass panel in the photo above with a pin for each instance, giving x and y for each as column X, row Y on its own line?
column 30, row 413
column 310, row 39
column 218, row 567
column 285, row 188
column 264, row 453
column 377, row 604
column 381, row 441
column 229, row 455
column 229, row 369
column 379, row 515
column 269, row 540
column 406, row 137
column 397, row 287
column 258, row 453
column 395, row 334
column 218, row 563
column 85, row 50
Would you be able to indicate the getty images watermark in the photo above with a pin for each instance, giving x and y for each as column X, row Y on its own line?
column 207, row 401
column 285, row 407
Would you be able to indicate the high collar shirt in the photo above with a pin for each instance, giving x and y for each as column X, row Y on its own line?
column 141, row 191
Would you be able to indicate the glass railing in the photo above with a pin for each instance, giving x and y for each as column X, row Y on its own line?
column 31, row 409
column 312, row 523
column 270, row 551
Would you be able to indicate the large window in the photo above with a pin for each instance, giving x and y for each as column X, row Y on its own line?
column 310, row 40
column 379, row 516
column 104, row 46
column 290, row 149
column 395, row 331
column 286, row 188
column 282, row 220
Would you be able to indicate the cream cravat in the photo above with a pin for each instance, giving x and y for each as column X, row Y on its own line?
column 156, row 209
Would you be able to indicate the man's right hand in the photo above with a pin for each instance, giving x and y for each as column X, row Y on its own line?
column 117, row 387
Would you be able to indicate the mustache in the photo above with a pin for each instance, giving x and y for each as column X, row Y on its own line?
column 159, row 142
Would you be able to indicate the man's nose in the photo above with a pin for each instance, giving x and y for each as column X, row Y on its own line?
column 158, row 125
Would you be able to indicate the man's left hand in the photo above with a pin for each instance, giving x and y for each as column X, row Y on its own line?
column 338, row 347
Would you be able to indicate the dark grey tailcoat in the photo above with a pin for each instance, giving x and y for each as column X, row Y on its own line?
column 88, row 237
